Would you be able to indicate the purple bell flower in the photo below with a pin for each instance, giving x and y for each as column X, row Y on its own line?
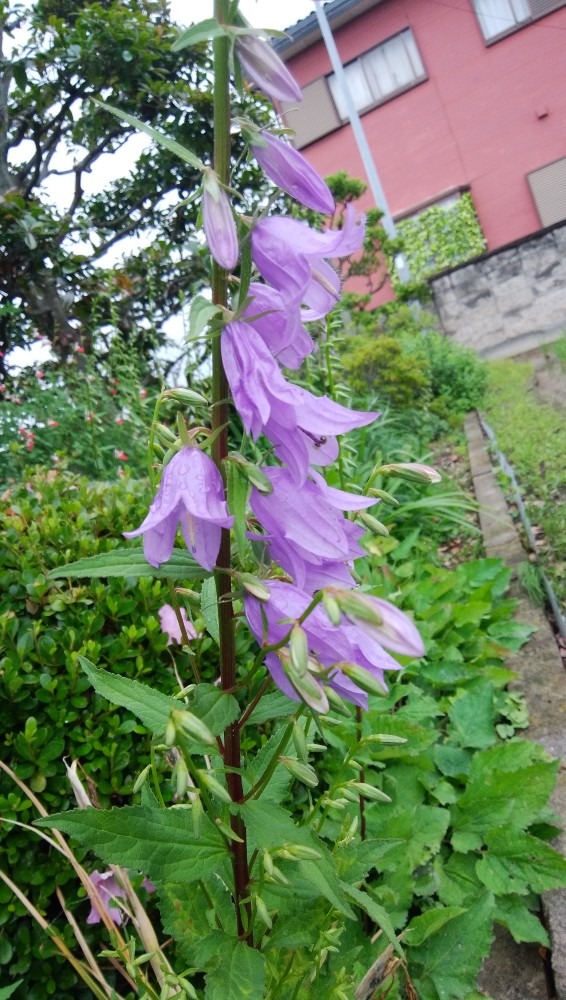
column 218, row 222
column 290, row 171
column 308, row 535
column 266, row 70
column 191, row 494
column 108, row 890
column 278, row 325
column 329, row 644
column 297, row 423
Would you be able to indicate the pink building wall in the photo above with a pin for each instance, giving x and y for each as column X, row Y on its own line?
column 486, row 116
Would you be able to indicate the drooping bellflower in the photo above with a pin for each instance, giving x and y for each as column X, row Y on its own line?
column 190, row 496
column 266, row 70
column 218, row 222
column 290, row 171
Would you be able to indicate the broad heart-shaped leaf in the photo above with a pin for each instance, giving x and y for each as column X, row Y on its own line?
column 430, row 922
column 516, row 862
column 158, row 842
column 514, row 914
column 212, row 706
column 421, row 828
column 159, row 137
column 233, row 970
column 132, row 562
column 270, row 828
column 498, row 795
column 186, row 914
column 446, row 965
column 472, row 716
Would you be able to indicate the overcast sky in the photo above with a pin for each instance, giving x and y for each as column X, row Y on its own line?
column 260, row 13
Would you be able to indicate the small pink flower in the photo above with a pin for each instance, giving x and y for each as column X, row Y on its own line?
column 108, row 890
column 52, row 423
column 79, row 349
column 89, row 418
column 143, row 393
column 120, row 420
column 113, row 392
column 38, row 336
column 120, row 455
column 170, row 624
column 2, row 387
column 29, row 444
column 40, row 374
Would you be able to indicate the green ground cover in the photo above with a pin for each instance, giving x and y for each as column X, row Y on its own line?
column 532, row 435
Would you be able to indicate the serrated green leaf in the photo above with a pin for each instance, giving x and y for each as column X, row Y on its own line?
column 132, row 562
column 456, row 879
column 272, row 706
column 152, row 707
column 446, row 965
column 420, row 928
column 186, row 914
column 356, row 860
column 516, row 862
column 159, row 137
column 472, row 715
column 213, row 707
column 420, row 827
column 376, row 912
column 510, row 634
column 209, row 609
column 499, row 798
column 238, row 971
column 157, row 842
column 513, row 913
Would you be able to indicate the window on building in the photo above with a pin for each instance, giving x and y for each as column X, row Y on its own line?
column 391, row 67
column 499, row 16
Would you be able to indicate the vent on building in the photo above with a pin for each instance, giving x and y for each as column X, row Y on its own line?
column 541, row 7
column 315, row 116
column 548, row 187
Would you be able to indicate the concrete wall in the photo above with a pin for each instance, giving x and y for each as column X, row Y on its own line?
column 508, row 301
column 486, row 116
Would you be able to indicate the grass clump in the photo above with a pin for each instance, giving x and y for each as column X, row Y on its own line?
column 532, row 435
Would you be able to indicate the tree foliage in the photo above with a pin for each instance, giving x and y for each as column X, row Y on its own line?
column 56, row 227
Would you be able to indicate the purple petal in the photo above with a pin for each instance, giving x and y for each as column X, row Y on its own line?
column 266, row 70
column 170, row 624
column 289, row 170
column 219, row 226
column 202, row 539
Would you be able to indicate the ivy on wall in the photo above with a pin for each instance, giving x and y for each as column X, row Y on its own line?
column 441, row 237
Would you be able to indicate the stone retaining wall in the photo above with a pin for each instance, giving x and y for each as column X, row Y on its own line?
column 510, row 300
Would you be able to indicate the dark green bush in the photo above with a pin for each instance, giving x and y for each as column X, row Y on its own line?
column 457, row 377
column 48, row 709
column 378, row 364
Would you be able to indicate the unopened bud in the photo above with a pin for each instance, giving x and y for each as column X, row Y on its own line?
column 369, row 792
column 372, row 524
column 298, row 852
column 181, row 775
column 386, row 497
column 254, row 586
column 413, row 472
column 227, row 831
column 300, row 741
column 309, row 689
column 262, row 911
column 182, row 395
column 353, row 604
column 302, row 772
column 267, row 862
column 253, row 473
column 141, row 779
column 362, row 677
column 170, row 733
column 197, row 813
column 337, row 703
column 349, row 793
column 299, row 648
column 332, row 608
column 214, row 786
column 192, row 726
column 383, row 738
column 165, row 435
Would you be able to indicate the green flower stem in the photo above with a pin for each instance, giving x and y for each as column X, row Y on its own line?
column 220, row 396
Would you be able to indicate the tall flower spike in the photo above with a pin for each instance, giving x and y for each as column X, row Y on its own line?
column 265, row 69
column 289, row 170
column 191, row 494
column 218, row 222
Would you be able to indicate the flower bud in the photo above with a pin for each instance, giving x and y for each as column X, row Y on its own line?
column 385, row 738
column 332, row 608
column 413, row 472
column 262, row 911
column 266, row 70
column 214, row 786
column 182, row 395
column 290, row 171
column 386, row 497
column 181, row 775
column 218, row 222
column 254, row 586
column 267, row 862
column 309, row 689
column 298, row 852
column 197, row 813
column 300, row 741
column 253, row 473
column 141, row 779
column 369, row 792
column 372, row 524
column 362, row 677
column 193, row 727
column 303, row 772
column 299, row 647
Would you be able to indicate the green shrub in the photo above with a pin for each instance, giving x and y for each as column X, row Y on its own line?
column 457, row 377
column 48, row 709
column 441, row 237
column 378, row 365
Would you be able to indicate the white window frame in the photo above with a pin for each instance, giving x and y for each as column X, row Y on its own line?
column 498, row 18
column 368, row 83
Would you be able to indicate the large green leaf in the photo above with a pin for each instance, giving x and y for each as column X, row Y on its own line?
column 497, row 798
column 446, row 965
column 233, row 970
column 7, row 991
column 376, row 912
column 472, row 716
column 132, row 562
column 516, row 862
column 158, row 842
column 212, row 706
column 159, row 137
column 514, row 914
column 186, row 911
column 430, row 922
